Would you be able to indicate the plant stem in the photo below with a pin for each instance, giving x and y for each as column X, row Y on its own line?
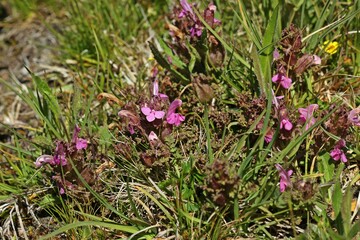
column 208, row 135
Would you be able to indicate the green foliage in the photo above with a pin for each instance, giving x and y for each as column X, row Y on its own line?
column 213, row 175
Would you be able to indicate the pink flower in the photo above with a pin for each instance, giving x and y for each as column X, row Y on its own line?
column 286, row 124
column 269, row 136
column 306, row 115
column 284, row 120
column 284, row 81
column 80, row 143
column 172, row 117
column 151, row 114
column 354, row 116
column 284, row 177
column 337, row 153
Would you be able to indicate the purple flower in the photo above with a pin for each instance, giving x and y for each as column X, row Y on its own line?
column 284, row 177
column 306, row 115
column 196, row 30
column 186, row 10
column 62, row 148
column 80, row 143
column 172, row 117
column 354, row 116
column 151, row 114
column 284, row 81
column 337, row 153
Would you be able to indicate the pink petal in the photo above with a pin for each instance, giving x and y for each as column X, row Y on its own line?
column 276, row 78
column 285, row 82
column 171, row 119
column 288, row 126
column 181, row 118
column 153, row 136
column 150, row 117
column 81, row 144
column 159, row 114
column 276, row 54
column 343, row 158
column 146, row 110
column 173, row 106
column 155, row 88
column 163, row 96
column 317, row 60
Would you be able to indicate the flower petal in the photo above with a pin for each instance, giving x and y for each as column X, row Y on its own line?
column 81, row 144
column 159, row 114
column 146, row 110
column 150, row 117
column 285, row 82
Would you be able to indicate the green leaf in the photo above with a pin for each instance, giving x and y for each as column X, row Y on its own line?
column 346, row 210
column 337, row 198
column 164, row 63
column 328, row 168
column 124, row 228
column 226, row 46
column 174, row 58
column 354, row 230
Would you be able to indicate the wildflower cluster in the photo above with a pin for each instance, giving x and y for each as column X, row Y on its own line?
column 157, row 118
column 59, row 160
column 289, row 59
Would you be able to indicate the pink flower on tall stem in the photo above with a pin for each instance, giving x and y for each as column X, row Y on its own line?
column 337, row 153
column 306, row 115
column 172, row 117
column 283, row 80
column 285, row 180
column 152, row 114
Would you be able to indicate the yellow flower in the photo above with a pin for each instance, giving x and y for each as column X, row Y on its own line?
column 331, row 47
